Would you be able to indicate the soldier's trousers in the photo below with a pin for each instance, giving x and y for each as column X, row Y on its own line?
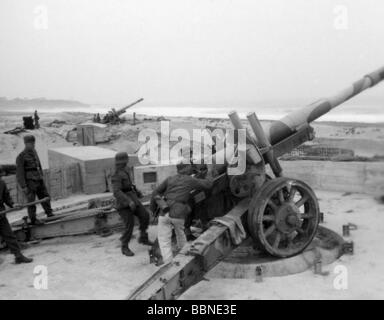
column 164, row 235
column 8, row 236
column 128, row 218
column 37, row 188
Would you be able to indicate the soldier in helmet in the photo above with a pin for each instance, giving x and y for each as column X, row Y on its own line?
column 5, row 229
column 29, row 174
column 176, row 192
column 128, row 204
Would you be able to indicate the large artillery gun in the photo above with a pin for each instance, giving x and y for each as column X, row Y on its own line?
column 113, row 116
column 283, row 213
column 280, row 214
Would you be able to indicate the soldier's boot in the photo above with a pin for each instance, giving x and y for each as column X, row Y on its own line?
column 159, row 262
column 144, row 239
column 48, row 209
column 50, row 214
column 36, row 222
column 20, row 258
column 126, row 251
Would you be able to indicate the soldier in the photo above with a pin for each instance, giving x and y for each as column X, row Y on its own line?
column 128, row 204
column 37, row 118
column 106, row 118
column 29, row 176
column 176, row 191
column 5, row 229
column 198, row 171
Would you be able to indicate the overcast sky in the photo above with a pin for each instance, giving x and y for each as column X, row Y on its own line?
column 188, row 52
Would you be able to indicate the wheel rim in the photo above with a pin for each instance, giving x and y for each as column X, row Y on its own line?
column 283, row 217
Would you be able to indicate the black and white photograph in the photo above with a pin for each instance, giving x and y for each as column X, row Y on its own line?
column 204, row 152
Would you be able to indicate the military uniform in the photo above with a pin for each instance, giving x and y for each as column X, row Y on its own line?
column 176, row 190
column 5, row 229
column 128, row 205
column 6, row 232
column 36, row 118
column 29, row 175
column 199, row 171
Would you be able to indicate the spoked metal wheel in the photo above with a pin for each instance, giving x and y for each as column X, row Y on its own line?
column 283, row 217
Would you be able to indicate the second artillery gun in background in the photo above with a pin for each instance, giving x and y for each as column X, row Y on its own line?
column 113, row 116
column 280, row 214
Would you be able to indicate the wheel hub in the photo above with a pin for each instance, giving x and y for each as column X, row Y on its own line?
column 287, row 218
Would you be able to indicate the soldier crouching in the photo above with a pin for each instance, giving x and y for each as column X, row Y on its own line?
column 128, row 204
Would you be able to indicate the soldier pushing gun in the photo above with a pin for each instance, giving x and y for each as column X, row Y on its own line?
column 176, row 190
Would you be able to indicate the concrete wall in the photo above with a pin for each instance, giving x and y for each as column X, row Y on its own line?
column 361, row 177
column 160, row 172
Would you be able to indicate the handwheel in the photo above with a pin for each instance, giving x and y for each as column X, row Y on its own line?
column 283, row 217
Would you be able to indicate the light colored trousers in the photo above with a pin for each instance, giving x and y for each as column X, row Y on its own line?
column 164, row 235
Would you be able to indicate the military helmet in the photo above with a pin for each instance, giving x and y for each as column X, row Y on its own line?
column 121, row 158
column 29, row 138
column 182, row 167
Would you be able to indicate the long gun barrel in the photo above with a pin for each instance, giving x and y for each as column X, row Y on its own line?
column 279, row 130
column 120, row 111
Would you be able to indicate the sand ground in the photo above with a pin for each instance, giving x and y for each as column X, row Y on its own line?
column 91, row 267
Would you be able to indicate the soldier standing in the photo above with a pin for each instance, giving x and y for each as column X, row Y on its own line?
column 176, row 191
column 5, row 229
column 29, row 174
column 37, row 118
column 128, row 204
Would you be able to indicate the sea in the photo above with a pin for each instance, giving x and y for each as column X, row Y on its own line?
column 347, row 112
